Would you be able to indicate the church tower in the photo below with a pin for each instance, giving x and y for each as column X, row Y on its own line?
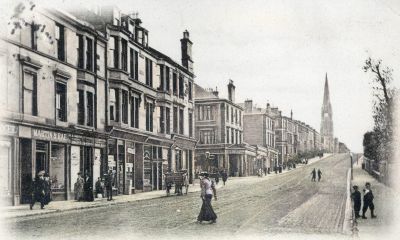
column 326, row 119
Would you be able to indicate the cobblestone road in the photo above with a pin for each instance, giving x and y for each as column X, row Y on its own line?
column 287, row 204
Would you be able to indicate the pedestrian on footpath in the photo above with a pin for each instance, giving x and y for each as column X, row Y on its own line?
column 78, row 187
column 109, row 181
column 38, row 191
column 99, row 188
column 88, row 187
column 48, row 195
column 224, row 176
column 313, row 173
column 207, row 190
column 186, row 182
column 217, row 177
column 319, row 175
column 356, row 196
column 368, row 201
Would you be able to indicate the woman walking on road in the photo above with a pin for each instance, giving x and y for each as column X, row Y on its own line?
column 207, row 190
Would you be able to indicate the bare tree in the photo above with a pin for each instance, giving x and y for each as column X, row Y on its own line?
column 383, row 106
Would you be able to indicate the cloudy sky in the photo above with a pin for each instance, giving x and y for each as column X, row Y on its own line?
column 279, row 51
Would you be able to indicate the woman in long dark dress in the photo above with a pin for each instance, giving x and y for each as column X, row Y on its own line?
column 88, row 188
column 207, row 190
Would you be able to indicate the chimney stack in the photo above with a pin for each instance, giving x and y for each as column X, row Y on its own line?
column 186, row 48
column 231, row 91
column 215, row 92
column 248, row 106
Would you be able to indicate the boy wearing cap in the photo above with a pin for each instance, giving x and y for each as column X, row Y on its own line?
column 356, row 196
column 368, row 201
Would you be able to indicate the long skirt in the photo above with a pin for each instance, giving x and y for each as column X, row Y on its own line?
column 207, row 213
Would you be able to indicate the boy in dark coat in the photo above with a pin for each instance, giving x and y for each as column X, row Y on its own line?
column 356, row 196
column 368, row 201
column 38, row 191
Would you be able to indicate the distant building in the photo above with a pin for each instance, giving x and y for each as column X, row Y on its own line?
column 219, row 130
column 259, row 130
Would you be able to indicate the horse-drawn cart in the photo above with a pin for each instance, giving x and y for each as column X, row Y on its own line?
column 177, row 179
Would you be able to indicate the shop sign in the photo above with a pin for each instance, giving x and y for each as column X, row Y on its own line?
column 8, row 129
column 49, row 135
column 130, row 150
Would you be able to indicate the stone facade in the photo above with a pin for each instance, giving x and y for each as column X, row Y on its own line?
column 54, row 106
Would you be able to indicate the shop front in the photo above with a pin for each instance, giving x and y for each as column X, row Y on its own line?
column 8, row 143
column 59, row 154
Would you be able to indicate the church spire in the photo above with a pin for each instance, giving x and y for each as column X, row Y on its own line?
column 326, row 90
column 326, row 112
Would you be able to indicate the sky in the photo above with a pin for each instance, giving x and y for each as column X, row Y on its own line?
column 280, row 51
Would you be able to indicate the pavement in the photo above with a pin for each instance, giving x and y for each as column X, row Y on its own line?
column 276, row 206
column 70, row 205
column 386, row 201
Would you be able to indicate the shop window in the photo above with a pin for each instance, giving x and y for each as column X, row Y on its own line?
column 149, row 116
column 60, row 40
column 80, row 52
column 174, row 83
column 190, row 118
column 135, row 112
column 175, row 120
column 149, row 72
column 57, row 171
column 181, row 86
column 124, row 106
column 124, row 55
column 167, row 120
column 181, row 121
column 30, row 93
column 89, row 54
column 61, row 101
column 90, row 108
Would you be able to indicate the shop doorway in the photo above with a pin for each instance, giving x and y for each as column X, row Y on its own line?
column 42, row 160
column 157, row 175
column 26, row 169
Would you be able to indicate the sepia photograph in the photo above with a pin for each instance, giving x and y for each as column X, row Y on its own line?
column 185, row 119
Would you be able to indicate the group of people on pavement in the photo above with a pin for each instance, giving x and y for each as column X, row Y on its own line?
column 314, row 174
column 41, row 190
column 103, row 186
column 83, row 188
column 368, row 199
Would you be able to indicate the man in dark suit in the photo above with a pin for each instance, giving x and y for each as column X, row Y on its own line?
column 356, row 196
column 38, row 190
column 368, row 201
column 108, row 183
